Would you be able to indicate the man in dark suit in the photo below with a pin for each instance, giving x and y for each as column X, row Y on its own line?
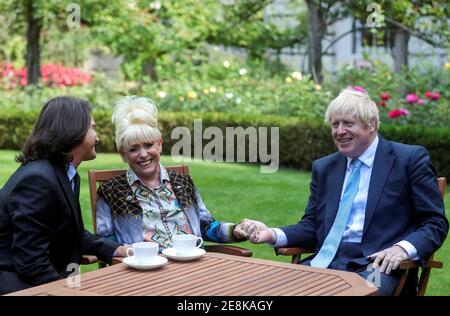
column 373, row 200
column 41, row 229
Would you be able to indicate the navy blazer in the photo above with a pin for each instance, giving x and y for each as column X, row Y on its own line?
column 41, row 228
column 403, row 202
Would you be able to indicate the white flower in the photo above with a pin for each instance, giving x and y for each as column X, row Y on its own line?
column 213, row 90
column 242, row 71
column 162, row 94
column 229, row 95
column 288, row 79
column 156, row 5
column 238, row 100
column 226, row 64
column 296, row 75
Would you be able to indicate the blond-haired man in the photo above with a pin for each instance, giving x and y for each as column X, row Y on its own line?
column 372, row 201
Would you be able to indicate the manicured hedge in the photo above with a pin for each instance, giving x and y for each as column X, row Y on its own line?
column 301, row 141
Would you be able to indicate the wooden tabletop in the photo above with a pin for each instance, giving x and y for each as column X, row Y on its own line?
column 214, row 274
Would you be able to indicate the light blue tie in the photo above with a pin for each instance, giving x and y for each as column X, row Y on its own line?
column 331, row 243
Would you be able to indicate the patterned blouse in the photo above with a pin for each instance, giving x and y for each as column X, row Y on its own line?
column 128, row 211
column 163, row 216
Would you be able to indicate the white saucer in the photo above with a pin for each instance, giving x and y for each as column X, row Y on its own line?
column 131, row 262
column 172, row 254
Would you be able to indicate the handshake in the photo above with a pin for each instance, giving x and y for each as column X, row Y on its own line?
column 256, row 232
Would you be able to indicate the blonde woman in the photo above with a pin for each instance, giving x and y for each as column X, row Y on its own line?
column 148, row 202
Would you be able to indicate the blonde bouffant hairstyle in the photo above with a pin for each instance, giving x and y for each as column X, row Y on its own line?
column 135, row 119
column 355, row 103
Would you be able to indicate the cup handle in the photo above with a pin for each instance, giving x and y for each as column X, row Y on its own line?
column 201, row 242
column 127, row 252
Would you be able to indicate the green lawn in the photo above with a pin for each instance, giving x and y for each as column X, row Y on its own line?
column 236, row 191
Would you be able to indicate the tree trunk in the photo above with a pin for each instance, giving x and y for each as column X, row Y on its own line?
column 315, row 41
column 33, row 52
column 400, row 50
column 149, row 69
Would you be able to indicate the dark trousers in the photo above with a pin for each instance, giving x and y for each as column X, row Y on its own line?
column 349, row 257
column 10, row 282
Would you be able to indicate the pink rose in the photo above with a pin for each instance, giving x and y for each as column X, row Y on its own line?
column 412, row 98
column 360, row 89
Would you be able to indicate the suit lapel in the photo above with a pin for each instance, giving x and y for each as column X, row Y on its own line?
column 69, row 194
column 382, row 166
column 335, row 180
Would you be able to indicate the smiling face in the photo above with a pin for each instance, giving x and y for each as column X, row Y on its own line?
column 351, row 136
column 143, row 158
column 86, row 150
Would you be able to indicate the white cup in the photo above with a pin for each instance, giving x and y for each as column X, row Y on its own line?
column 185, row 245
column 144, row 252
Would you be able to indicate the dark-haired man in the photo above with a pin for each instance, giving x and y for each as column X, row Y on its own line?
column 41, row 227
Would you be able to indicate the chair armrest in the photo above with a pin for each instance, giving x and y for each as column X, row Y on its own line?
column 87, row 259
column 292, row 251
column 230, row 250
column 409, row 264
column 116, row 260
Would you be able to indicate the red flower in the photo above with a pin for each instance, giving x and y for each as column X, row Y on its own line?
column 433, row 96
column 384, row 96
column 382, row 103
column 398, row 112
column 52, row 76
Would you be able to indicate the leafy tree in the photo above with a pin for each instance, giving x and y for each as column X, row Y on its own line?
column 143, row 31
column 33, row 19
column 243, row 25
column 426, row 20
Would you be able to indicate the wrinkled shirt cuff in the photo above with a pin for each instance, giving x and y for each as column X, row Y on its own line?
column 410, row 249
column 281, row 238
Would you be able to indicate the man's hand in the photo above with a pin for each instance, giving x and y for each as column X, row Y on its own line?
column 256, row 232
column 247, row 227
column 121, row 251
column 391, row 257
column 266, row 235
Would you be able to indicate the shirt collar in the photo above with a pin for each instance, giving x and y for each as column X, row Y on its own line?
column 368, row 156
column 71, row 171
column 132, row 178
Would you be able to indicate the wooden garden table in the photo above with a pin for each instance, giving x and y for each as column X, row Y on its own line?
column 214, row 274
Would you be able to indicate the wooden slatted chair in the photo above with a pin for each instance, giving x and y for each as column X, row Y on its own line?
column 409, row 268
column 99, row 176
